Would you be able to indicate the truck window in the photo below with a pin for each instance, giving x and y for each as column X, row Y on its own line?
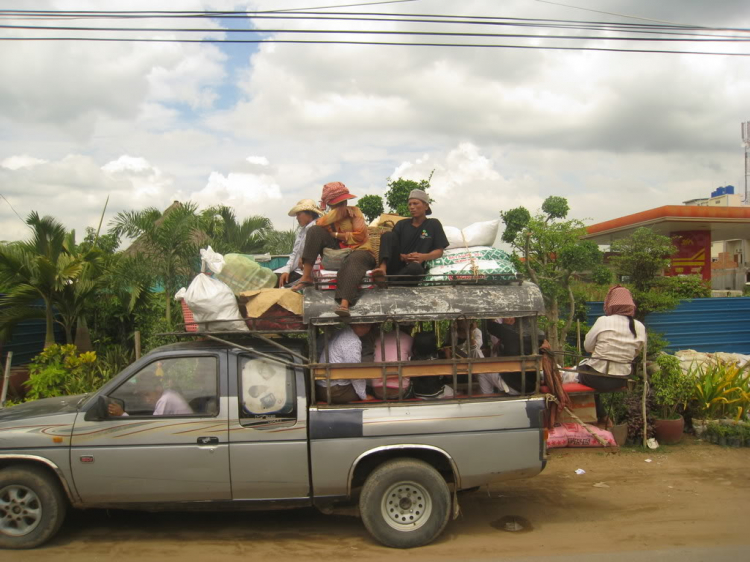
column 176, row 386
column 266, row 391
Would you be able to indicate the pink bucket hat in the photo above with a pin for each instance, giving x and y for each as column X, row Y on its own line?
column 334, row 192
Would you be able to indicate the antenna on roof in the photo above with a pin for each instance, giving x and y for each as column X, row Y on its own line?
column 746, row 145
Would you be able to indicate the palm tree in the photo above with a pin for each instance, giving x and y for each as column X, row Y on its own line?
column 41, row 268
column 227, row 236
column 281, row 242
column 167, row 242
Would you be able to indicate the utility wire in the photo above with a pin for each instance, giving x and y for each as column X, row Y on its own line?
column 379, row 43
column 709, row 39
column 16, row 212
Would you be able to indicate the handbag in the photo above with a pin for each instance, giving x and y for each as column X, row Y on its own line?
column 332, row 259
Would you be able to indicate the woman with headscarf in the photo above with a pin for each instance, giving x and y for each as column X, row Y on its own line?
column 340, row 228
column 614, row 341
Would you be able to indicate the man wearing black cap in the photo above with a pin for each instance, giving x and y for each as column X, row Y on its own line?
column 404, row 250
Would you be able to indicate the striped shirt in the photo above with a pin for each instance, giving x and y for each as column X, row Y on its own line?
column 612, row 345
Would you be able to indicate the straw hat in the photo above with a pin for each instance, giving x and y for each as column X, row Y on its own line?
column 305, row 205
column 334, row 192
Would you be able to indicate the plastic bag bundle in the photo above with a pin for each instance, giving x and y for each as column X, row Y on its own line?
column 242, row 273
column 463, row 255
column 211, row 301
column 477, row 234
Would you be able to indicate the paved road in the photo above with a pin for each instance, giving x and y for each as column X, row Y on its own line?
column 688, row 504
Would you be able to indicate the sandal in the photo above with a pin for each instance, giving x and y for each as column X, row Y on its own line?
column 301, row 285
column 343, row 311
column 378, row 278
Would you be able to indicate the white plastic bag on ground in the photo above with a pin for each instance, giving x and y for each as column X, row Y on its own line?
column 477, row 234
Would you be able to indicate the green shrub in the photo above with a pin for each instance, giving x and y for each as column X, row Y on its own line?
column 671, row 387
column 60, row 370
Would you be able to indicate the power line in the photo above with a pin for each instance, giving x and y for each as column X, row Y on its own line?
column 346, row 5
column 11, row 206
column 707, row 39
column 374, row 43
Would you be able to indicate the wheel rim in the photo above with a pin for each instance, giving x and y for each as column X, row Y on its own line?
column 406, row 506
column 20, row 510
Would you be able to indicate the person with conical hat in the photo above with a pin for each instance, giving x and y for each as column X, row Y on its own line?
column 306, row 212
column 341, row 227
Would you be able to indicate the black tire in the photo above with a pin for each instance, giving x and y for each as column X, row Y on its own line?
column 405, row 503
column 32, row 507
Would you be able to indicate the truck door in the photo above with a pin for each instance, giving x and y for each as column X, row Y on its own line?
column 267, row 430
column 169, row 444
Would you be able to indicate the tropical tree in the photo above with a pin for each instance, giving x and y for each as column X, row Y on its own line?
column 167, row 243
column 553, row 254
column 371, row 206
column 45, row 268
column 226, row 235
column 280, row 242
column 397, row 194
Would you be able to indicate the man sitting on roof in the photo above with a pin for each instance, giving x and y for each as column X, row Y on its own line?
column 306, row 213
column 405, row 249
column 345, row 347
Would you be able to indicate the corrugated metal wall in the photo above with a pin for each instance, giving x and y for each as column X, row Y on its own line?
column 27, row 340
column 708, row 325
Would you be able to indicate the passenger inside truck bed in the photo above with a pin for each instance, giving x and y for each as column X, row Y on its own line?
column 344, row 347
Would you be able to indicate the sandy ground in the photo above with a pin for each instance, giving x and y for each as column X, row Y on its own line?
column 689, row 496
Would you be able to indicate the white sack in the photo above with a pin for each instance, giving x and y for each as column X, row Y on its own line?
column 213, row 260
column 209, row 299
column 477, row 234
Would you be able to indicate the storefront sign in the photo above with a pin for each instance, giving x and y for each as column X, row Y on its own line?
column 693, row 255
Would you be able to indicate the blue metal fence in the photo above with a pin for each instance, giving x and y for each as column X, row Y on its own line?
column 27, row 340
column 708, row 325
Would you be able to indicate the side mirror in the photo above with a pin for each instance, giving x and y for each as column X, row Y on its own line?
column 98, row 411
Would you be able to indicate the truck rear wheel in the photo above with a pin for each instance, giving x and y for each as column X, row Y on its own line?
column 405, row 503
column 32, row 507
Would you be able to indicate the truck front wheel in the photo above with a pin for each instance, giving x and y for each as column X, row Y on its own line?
column 32, row 507
column 405, row 503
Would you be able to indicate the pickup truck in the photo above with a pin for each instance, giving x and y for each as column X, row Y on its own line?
column 238, row 427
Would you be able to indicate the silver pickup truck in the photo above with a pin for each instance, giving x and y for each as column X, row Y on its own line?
column 218, row 424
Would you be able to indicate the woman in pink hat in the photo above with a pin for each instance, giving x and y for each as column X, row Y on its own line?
column 341, row 227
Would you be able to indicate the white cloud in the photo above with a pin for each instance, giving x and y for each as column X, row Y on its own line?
column 22, row 161
column 258, row 160
column 615, row 133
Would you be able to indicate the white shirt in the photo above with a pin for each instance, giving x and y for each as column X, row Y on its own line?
column 345, row 347
column 612, row 345
column 294, row 259
column 170, row 403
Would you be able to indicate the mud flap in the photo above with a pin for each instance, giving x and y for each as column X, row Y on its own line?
column 456, row 508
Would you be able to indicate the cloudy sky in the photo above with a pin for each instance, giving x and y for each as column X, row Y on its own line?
column 259, row 127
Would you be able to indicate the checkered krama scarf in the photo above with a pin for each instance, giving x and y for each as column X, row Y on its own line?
column 619, row 301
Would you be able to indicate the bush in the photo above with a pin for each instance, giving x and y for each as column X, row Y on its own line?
column 720, row 389
column 60, row 370
column 672, row 389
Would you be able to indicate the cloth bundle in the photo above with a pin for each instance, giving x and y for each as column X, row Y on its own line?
column 327, row 279
column 574, row 435
column 474, row 262
column 241, row 273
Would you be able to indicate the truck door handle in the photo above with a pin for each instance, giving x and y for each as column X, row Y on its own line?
column 208, row 440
